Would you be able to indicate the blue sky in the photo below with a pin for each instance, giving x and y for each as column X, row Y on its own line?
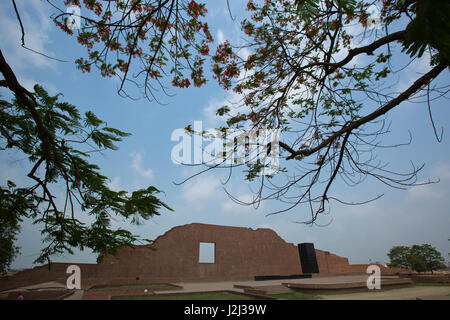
column 361, row 233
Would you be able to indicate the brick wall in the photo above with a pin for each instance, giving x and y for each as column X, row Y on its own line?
column 240, row 254
column 430, row 278
column 331, row 264
column 55, row 272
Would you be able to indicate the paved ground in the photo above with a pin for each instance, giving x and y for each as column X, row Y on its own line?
column 77, row 295
column 392, row 294
column 44, row 286
column 388, row 294
column 229, row 285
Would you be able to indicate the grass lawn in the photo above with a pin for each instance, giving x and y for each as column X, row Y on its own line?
column 139, row 286
column 190, row 296
column 294, row 295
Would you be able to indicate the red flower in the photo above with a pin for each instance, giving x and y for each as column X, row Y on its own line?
column 204, row 50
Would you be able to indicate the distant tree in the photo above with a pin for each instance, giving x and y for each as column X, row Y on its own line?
column 425, row 258
column 419, row 258
column 398, row 257
column 417, row 263
column 64, row 189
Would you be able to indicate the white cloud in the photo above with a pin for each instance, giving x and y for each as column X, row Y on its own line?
column 201, row 190
column 209, row 112
column 244, row 53
column 114, row 184
column 441, row 171
column 220, row 36
column 361, row 211
column 431, row 192
column 37, row 26
column 231, row 100
column 231, row 206
column 413, row 71
column 136, row 165
column 29, row 85
column 423, row 193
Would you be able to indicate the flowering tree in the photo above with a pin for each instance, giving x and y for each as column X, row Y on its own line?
column 328, row 88
column 143, row 42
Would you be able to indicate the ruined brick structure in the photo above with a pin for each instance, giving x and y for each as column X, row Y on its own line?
column 240, row 254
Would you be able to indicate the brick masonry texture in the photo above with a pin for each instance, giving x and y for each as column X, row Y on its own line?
column 240, row 254
column 433, row 278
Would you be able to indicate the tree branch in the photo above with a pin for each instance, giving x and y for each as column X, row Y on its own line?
column 28, row 100
column 20, row 22
column 369, row 49
column 424, row 80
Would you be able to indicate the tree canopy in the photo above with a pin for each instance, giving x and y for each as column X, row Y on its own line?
column 58, row 141
column 398, row 257
column 143, row 42
column 327, row 89
column 419, row 258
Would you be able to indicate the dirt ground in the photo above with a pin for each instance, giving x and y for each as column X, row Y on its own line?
column 392, row 294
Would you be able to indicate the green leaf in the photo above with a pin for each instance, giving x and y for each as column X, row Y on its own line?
column 92, row 120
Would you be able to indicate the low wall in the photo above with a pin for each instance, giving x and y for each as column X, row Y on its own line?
column 54, row 272
column 430, row 278
column 331, row 264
